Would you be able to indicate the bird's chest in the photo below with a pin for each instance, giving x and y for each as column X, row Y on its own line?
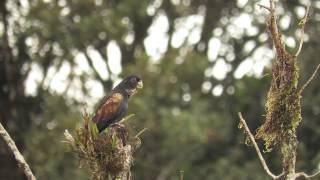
column 123, row 108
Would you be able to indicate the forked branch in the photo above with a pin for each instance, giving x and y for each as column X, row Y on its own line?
column 273, row 28
column 255, row 145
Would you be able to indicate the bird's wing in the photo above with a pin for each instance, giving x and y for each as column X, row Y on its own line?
column 108, row 108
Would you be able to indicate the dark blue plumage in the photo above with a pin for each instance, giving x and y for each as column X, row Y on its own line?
column 113, row 107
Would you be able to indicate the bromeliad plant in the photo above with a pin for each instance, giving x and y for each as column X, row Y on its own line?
column 107, row 155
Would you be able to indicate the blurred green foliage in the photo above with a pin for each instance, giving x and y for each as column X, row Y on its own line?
column 191, row 126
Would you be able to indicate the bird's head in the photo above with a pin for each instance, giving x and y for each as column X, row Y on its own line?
column 130, row 85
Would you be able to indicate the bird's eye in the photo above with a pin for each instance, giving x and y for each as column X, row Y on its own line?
column 133, row 80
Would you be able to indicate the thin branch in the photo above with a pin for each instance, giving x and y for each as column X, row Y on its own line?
column 263, row 162
column 302, row 25
column 271, row 8
column 310, row 79
column 265, row 7
column 13, row 148
column 140, row 132
column 302, row 174
column 126, row 118
column 273, row 29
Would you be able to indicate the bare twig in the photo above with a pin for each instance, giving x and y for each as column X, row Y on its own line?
column 13, row 148
column 126, row 118
column 263, row 162
column 273, row 28
column 310, row 79
column 302, row 25
column 265, row 7
column 302, row 174
column 268, row 8
column 140, row 132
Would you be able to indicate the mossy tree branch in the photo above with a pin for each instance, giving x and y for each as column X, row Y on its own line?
column 108, row 155
column 283, row 104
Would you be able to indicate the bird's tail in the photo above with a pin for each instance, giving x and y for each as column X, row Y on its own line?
column 102, row 125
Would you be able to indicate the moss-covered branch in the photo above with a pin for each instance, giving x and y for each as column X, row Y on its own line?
column 283, row 104
column 108, row 155
column 283, row 109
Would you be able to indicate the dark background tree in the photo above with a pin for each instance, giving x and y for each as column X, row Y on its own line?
column 196, row 61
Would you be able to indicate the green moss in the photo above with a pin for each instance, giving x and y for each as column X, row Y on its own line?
column 107, row 154
column 283, row 107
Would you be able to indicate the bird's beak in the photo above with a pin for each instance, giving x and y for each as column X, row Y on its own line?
column 140, row 85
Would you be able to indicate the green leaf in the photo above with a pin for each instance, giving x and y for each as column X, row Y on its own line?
column 93, row 130
column 114, row 142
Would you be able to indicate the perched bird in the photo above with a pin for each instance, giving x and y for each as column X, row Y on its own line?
column 114, row 106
